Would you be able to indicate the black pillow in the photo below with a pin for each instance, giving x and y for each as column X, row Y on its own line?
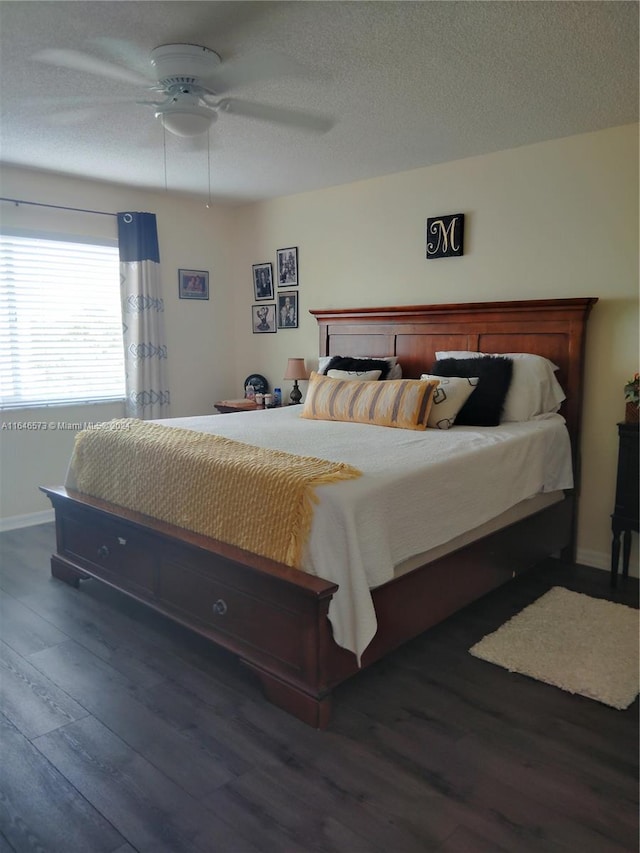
column 484, row 406
column 346, row 362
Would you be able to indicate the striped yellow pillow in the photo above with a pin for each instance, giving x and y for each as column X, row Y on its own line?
column 403, row 403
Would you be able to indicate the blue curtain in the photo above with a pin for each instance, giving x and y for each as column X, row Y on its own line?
column 145, row 349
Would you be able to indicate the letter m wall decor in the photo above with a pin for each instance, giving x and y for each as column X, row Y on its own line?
column 445, row 236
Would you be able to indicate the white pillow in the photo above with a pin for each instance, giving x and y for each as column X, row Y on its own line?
column 440, row 355
column 448, row 398
column 394, row 373
column 534, row 389
column 358, row 375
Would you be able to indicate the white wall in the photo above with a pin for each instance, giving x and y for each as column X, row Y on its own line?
column 557, row 219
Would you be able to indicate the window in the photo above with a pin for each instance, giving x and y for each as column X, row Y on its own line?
column 60, row 321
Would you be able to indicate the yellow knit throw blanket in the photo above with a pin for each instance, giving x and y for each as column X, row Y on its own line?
column 258, row 499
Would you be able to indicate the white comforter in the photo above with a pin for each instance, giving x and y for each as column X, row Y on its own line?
column 419, row 490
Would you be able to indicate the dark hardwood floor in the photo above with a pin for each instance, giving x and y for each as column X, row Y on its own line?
column 123, row 732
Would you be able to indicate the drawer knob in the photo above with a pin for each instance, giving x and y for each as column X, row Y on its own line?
column 220, row 607
column 103, row 551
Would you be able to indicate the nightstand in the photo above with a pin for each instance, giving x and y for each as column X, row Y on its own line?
column 625, row 514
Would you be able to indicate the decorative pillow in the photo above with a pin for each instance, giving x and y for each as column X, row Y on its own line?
column 359, row 376
column 402, row 403
column 394, row 371
column 484, row 406
column 534, row 388
column 449, row 397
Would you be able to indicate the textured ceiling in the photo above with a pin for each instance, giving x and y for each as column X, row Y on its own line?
column 407, row 84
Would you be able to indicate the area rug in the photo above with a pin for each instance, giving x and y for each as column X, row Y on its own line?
column 581, row 644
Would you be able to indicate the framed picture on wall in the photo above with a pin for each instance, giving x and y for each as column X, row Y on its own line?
column 287, row 266
column 288, row 309
column 263, row 281
column 263, row 319
column 193, row 284
column 445, row 236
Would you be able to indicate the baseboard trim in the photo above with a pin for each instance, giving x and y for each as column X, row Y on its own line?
column 595, row 559
column 14, row 522
column 598, row 560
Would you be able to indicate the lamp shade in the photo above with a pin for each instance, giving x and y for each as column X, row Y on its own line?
column 295, row 369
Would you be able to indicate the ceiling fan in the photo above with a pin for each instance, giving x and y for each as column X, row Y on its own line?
column 190, row 82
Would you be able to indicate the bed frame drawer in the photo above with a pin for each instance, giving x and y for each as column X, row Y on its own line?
column 113, row 551
column 233, row 617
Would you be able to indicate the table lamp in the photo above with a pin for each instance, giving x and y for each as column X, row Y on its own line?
column 295, row 370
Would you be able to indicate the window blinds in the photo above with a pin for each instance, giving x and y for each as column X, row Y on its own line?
column 60, row 322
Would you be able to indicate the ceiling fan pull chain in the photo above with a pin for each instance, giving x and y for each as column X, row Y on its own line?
column 209, row 166
column 164, row 154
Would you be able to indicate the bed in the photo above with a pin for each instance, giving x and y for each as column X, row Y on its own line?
column 275, row 618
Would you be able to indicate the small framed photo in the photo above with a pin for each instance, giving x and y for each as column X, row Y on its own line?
column 288, row 309
column 263, row 281
column 193, row 284
column 287, row 266
column 263, row 319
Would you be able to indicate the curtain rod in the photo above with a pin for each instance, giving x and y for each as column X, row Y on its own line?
column 19, row 201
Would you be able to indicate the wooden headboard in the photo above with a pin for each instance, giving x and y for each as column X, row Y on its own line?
column 553, row 328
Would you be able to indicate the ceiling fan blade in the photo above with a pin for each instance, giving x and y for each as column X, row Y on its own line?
column 78, row 61
column 126, row 53
column 277, row 115
column 256, row 67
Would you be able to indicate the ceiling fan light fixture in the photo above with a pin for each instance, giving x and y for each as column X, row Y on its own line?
column 186, row 120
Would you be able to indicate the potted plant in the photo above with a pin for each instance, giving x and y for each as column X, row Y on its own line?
column 632, row 399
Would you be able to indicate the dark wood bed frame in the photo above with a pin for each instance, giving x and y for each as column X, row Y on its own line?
column 274, row 617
